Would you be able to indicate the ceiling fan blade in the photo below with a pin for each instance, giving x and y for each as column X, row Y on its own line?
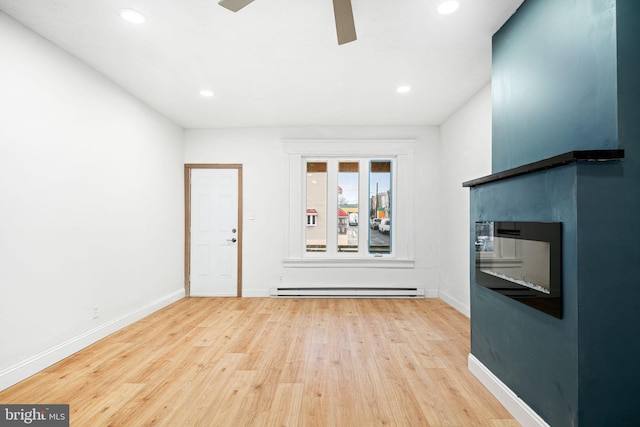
column 234, row 5
column 345, row 27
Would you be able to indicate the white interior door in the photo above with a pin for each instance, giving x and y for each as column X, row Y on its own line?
column 214, row 232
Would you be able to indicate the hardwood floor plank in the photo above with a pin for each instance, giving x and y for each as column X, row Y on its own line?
column 275, row 362
column 287, row 402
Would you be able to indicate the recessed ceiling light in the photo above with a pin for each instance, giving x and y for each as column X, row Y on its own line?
column 133, row 16
column 403, row 89
column 448, row 6
column 206, row 93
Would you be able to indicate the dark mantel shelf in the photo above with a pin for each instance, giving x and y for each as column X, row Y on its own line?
column 551, row 162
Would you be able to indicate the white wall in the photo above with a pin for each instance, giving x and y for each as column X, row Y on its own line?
column 266, row 195
column 465, row 155
column 91, row 203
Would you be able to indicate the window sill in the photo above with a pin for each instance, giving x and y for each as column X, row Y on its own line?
column 373, row 262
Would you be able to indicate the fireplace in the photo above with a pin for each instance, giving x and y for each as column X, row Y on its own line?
column 523, row 261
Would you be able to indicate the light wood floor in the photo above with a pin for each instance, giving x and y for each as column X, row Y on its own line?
column 275, row 362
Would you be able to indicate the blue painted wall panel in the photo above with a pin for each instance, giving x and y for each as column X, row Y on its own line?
column 609, row 292
column 609, row 242
column 533, row 353
column 554, row 81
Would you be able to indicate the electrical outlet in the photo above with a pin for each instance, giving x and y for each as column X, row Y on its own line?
column 95, row 312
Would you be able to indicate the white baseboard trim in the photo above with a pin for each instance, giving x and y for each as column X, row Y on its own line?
column 516, row 406
column 22, row 370
column 455, row 303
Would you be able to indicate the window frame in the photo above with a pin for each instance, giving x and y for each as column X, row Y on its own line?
column 400, row 152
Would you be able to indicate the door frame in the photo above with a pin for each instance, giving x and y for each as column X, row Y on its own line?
column 187, row 220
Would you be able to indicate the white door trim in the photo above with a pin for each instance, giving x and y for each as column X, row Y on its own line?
column 187, row 220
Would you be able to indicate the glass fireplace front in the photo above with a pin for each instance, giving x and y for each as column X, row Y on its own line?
column 523, row 261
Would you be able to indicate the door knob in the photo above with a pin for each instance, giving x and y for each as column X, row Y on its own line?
column 233, row 240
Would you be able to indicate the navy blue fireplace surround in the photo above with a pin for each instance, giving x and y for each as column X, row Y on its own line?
column 566, row 149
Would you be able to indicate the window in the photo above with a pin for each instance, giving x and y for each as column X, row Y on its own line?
column 344, row 181
column 347, row 206
column 312, row 217
column 316, row 210
column 380, row 196
column 348, row 213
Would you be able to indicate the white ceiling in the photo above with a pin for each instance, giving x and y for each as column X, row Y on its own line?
column 277, row 62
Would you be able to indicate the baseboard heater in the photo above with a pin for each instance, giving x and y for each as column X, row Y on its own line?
column 346, row 292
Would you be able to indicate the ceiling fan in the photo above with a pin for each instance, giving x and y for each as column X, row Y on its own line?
column 345, row 27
